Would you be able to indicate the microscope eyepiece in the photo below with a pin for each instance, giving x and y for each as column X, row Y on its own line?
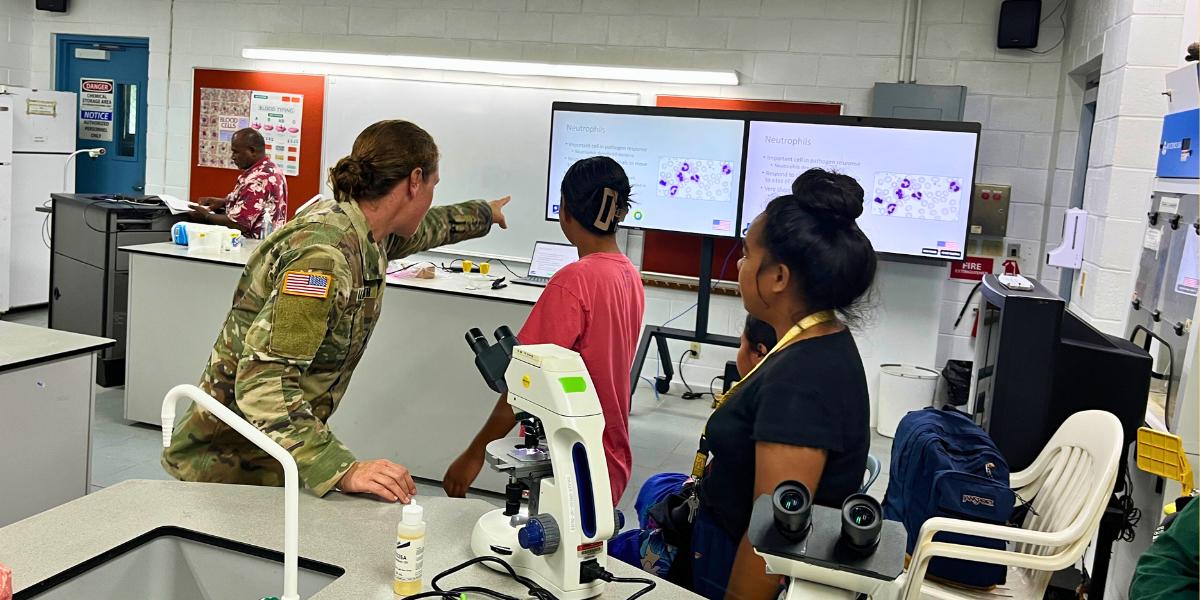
column 862, row 522
column 476, row 341
column 792, row 504
column 506, row 339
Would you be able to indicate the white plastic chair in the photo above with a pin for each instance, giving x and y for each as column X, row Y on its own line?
column 1070, row 484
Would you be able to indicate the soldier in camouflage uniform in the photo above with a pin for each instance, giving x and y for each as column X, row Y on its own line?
column 303, row 311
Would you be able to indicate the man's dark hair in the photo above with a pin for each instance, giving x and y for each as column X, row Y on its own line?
column 251, row 138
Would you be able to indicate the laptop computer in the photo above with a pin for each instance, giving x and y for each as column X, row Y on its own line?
column 548, row 259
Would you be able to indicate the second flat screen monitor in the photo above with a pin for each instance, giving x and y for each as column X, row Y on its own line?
column 917, row 182
column 685, row 172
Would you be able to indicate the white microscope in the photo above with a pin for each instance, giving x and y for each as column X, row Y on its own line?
column 558, row 539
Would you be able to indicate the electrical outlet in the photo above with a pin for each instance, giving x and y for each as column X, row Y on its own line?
column 695, row 348
column 1012, row 250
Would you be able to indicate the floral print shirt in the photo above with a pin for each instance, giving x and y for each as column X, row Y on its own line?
column 258, row 188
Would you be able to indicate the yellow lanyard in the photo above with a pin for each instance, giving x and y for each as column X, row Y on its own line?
column 792, row 334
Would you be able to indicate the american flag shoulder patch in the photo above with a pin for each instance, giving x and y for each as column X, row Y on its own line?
column 307, row 283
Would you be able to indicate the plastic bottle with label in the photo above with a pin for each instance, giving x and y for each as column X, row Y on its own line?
column 410, row 550
column 268, row 222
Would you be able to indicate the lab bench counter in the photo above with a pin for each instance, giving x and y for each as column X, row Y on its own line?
column 416, row 397
column 46, row 400
column 353, row 533
column 25, row 345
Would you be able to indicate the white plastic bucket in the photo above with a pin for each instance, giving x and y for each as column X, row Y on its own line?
column 902, row 389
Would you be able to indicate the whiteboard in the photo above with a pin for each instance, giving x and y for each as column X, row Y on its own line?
column 494, row 141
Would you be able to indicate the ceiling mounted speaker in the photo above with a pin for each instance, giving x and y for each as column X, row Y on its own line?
column 1019, row 22
column 52, row 5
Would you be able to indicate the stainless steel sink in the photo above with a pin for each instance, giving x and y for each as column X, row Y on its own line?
column 181, row 564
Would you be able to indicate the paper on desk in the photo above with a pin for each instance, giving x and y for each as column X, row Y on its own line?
column 176, row 205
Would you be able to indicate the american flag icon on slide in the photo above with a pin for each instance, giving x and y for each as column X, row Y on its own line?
column 721, row 225
column 948, row 245
column 299, row 283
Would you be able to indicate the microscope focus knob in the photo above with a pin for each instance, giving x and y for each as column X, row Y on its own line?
column 540, row 535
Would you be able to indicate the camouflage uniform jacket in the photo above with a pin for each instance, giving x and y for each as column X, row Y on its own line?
column 284, row 356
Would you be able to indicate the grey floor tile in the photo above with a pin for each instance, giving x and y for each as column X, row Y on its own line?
column 106, row 473
column 106, row 434
column 37, row 317
column 110, row 404
column 92, row 489
column 144, row 470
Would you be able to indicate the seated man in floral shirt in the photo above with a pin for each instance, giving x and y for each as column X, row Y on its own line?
column 260, row 191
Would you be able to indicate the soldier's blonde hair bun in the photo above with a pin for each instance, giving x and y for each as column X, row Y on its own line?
column 384, row 154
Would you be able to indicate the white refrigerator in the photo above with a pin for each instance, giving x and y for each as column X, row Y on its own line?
column 37, row 136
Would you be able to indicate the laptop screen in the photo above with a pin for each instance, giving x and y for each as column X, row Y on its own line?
column 548, row 258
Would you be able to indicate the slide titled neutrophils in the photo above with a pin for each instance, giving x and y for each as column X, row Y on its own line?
column 695, row 179
column 928, row 197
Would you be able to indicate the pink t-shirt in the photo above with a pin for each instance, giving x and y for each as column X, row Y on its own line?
column 594, row 306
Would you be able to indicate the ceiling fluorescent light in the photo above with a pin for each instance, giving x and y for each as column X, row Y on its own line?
column 499, row 67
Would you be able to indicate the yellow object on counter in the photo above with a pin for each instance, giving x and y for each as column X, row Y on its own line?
column 467, row 265
column 485, row 268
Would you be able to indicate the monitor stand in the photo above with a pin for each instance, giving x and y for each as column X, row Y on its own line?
column 660, row 335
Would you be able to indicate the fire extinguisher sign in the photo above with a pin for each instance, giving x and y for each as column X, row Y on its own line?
column 972, row 268
column 96, row 109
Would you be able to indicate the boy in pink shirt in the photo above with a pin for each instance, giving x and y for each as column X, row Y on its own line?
column 593, row 306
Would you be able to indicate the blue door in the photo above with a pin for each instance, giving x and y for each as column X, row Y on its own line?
column 108, row 74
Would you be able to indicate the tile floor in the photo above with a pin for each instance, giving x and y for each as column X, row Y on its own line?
column 663, row 432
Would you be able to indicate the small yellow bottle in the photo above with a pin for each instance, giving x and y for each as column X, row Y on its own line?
column 410, row 550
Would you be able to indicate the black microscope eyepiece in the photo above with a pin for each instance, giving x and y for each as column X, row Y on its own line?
column 862, row 522
column 792, row 504
column 476, row 341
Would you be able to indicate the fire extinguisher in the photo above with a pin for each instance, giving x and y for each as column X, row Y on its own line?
column 1011, row 267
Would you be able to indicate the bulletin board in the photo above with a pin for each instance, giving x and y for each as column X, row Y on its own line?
column 679, row 253
column 291, row 105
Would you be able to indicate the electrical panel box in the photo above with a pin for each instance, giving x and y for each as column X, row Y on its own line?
column 989, row 210
column 918, row 101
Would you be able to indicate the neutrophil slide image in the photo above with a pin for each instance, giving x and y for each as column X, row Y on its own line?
column 684, row 172
column 916, row 182
column 695, row 179
column 930, row 197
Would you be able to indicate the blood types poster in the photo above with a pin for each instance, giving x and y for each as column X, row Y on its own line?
column 277, row 116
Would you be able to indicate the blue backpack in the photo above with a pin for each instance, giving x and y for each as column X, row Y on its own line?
column 944, row 465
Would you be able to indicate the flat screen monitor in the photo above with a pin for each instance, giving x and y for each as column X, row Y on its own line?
column 916, row 175
column 685, row 166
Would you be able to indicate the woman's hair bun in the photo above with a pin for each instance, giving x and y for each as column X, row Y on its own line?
column 384, row 154
column 812, row 231
column 353, row 175
column 833, row 198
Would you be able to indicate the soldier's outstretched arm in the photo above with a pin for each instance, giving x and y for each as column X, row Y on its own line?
column 311, row 289
column 449, row 224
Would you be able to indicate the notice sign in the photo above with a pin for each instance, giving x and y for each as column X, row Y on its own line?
column 972, row 268
column 277, row 117
column 96, row 109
